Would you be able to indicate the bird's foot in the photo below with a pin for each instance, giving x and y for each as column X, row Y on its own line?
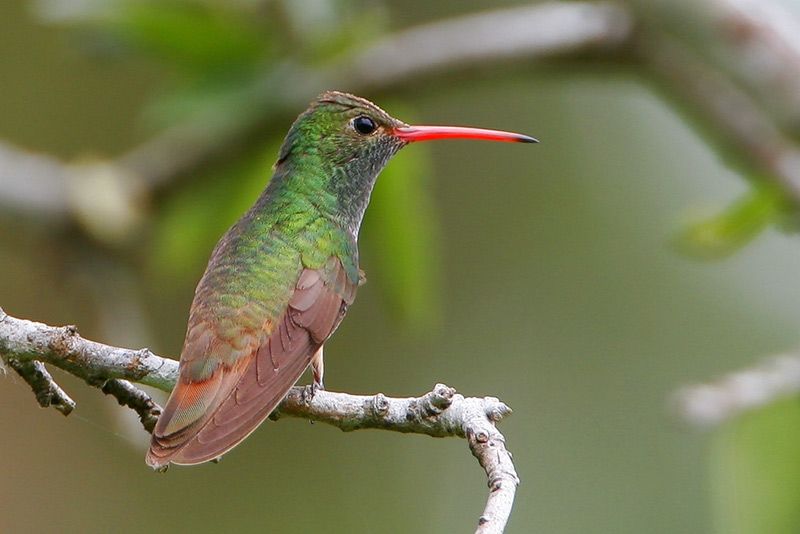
column 310, row 391
column 216, row 460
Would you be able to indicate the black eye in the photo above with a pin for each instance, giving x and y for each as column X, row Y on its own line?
column 364, row 125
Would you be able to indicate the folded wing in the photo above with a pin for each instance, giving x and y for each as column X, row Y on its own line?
column 205, row 418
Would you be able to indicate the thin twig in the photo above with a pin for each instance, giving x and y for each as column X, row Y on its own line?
column 439, row 413
column 134, row 398
column 47, row 392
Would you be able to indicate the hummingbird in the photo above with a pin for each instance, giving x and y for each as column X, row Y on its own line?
column 281, row 279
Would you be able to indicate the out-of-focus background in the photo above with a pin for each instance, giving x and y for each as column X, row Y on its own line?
column 645, row 244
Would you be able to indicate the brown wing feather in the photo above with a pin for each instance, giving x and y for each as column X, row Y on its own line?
column 203, row 420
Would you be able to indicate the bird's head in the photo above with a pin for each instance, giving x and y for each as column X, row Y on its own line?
column 350, row 139
column 346, row 130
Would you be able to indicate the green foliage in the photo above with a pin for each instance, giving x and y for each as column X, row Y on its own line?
column 224, row 55
column 402, row 238
column 195, row 37
column 755, row 472
column 727, row 232
column 218, row 52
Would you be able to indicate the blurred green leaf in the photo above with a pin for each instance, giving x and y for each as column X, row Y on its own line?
column 403, row 239
column 192, row 221
column 196, row 36
column 755, row 472
column 231, row 96
column 728, row 231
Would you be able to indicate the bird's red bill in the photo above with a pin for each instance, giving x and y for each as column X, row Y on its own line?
column 429, row 133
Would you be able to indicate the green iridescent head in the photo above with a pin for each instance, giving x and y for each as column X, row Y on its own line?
column 343, row 130
column 342, row 142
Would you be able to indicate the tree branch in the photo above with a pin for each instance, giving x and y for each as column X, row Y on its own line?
column 31, row 182
column 47, row 392
column 134, row 398
column 94, row 362
column 440, row 413
column 535, row 32
column 710, row 404
column 762, row 41
column 756, row 43
column 732, row 116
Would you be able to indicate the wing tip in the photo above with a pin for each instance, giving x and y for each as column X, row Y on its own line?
column 161, row 462
column 156, row 463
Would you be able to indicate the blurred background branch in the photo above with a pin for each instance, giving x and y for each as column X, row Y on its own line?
column 33, row 184
column 735, row 73
column 773, row 379
column 536, row 32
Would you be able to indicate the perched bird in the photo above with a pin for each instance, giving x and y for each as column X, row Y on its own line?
column 281, row 279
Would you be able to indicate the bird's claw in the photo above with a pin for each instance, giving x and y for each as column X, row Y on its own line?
column 308, row 395
column 310, row 391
